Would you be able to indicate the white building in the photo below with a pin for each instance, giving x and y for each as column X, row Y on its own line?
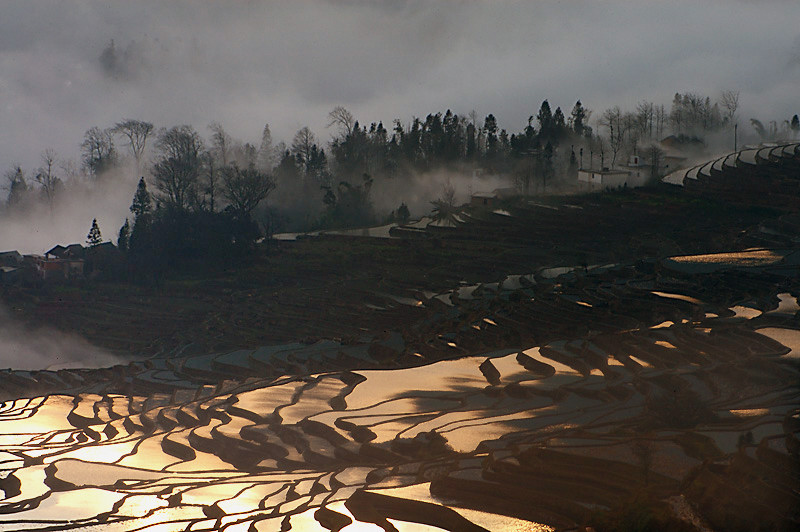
column 605, row 178
column 634, row 174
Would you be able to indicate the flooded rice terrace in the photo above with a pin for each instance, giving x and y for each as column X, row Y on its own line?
column 437, row 380
column 666, row 387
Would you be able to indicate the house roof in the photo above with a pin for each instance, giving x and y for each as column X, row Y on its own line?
column 681, row 141
column 499, row 193
column 10, row 255
column 505, row 192
column 56, row 250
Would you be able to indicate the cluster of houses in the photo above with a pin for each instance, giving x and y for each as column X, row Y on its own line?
column 641, row 169
column 674, row 152
column 61, row 263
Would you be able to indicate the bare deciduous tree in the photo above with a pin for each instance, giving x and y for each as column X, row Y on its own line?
column 46, row 176
column 617, row 125
column 136, row 132
column 656, row 156
column 730, row 102
column 342, row 119
column 177, row 169
column 98, row 150
column 220, row 143
column 302, row 144
column 211, row 185
column 660, row 118
column 645, row 118
column 246, row 188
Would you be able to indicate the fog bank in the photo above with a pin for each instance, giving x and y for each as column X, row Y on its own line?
column 36, row 227
column 289, row 64
column 27, row 348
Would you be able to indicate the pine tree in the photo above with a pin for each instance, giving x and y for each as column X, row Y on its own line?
column 17, row 186
column 124, row 236
column 94, row 237
column 490, row 127
column 545, row 118
column 559, row 124
column 578, row 118
column 403, row 214
column 142, row 204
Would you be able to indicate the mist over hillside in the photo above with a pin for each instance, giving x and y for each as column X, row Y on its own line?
column 245, row 64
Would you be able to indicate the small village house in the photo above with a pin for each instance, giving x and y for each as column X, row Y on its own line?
column 491, row 199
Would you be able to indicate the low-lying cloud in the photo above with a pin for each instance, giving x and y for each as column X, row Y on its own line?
column 37, row 227
column 289, row 63
column 38, row 348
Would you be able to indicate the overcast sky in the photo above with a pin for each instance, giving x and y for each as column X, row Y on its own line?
column 289, row 63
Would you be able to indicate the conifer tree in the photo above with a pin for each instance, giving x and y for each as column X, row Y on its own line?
column 142, row 204
column 403, row 214
column 578, row 118
column 545, row 118
column 124, row 236
column 94, row 237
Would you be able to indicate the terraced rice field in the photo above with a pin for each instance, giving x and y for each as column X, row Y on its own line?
column 525, row 389
column 567, row 424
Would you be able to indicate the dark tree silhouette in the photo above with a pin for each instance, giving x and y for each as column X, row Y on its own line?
column 403, row 214
column 94, row 237
column 142, row 203
column 136, row 132
column 123, row 239
column 47, row 178
column 17, row 187
column 246, row 188
column 99, row 153
column 177, row 169
column 578, row 118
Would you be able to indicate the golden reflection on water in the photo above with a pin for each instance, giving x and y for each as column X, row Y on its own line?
column 750, row 412
column 745, row 312
column 132, row 472
column 788, row 337
column 50, row 415
column 761, row 257
column 680, row 297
